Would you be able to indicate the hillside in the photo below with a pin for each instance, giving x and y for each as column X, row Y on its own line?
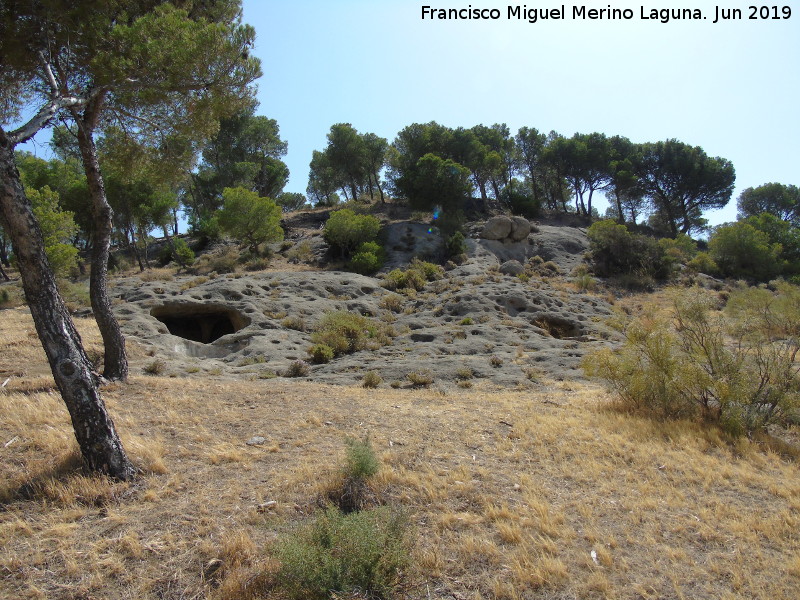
column 519, row 478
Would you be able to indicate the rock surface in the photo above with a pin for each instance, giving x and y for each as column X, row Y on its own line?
column 257, row 324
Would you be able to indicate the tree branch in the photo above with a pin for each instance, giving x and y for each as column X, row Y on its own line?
column 42, row 118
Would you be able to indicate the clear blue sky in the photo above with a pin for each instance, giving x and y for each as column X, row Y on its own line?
column 730, row 87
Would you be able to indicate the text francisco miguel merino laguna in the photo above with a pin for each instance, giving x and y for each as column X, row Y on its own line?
column 663, row 15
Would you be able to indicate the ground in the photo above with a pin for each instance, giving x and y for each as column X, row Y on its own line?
column 516, row 486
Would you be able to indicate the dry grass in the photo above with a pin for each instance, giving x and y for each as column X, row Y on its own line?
column 512, row 494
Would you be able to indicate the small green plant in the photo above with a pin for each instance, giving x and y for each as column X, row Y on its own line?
column 347, row 332
column 301, row 252
column 363, row 553
column 423, row 377
column 157, row 367
column 253, row 359
column 703, row 263
column 455, row 245
column 585, row 283
column 298, row 368
column 321, row 353
column 464, row 373
column 369, row 258
column 392, row 302
column 361, row 460
column 371, row 379
column 418, row 274
column 296, row 323
column 466, row 321
column 346, row 231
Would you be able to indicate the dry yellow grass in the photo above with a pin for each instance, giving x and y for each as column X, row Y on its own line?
column 512, row 494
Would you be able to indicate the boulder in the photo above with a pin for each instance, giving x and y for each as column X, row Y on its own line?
column 497, row 228
column 520, row 229
column 512, row 267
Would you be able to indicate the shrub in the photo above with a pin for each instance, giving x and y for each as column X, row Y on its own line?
column 703, row 263
column 361, row 460
column 521, row 203
column 423, row 377
column 616, row 251
column 345, row 332
column 157, row 367
column 346, row 231
column 415, row 277
column 248, row 218
column 296, row 323
column 466, row 321
column 455, row 245
column 321, row 353
column 585, row 283
column 496, row 361
column 181, row 252
column 392, row 302
column 301, row 252
column 368, row 259
column 362, row 552
column 371, row 379
column 679, row 250
column 740, row 250
column 298, row 368
column 681, row 366
column 223, row 260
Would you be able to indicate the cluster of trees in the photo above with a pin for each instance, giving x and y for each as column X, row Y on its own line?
column 351, row 163
column 433, row 165
column 763, row 244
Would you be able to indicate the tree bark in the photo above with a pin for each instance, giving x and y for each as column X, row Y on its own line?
column 116, row 359
column 98, row 440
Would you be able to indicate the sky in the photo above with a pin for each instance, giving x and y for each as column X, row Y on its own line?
column 731, row 87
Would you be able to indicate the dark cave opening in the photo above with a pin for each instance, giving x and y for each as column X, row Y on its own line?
column 200, row 323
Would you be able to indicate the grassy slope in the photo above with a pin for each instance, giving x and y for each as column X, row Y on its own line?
column 510, row 491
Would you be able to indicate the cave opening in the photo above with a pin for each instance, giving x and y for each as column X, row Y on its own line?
column 200, row 323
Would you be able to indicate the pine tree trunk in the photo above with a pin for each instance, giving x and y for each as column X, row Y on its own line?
column 116, row 359
column 98, row 440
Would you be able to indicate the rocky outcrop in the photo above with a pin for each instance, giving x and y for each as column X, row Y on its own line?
column 503, row 228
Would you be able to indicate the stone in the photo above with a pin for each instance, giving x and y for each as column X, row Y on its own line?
column 520, row 229
column 512, row 267
column 497, row 228
column 256, row 441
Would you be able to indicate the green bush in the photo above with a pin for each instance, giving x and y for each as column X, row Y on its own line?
column 321, row 353
column 423, row 377
column 364, row 552
column 455, row 245
column 184, row 255
column 682, row 365
column 415, row 277
column 346, row 332
column 345, row 230
column 616, row 251
column 250, row 219
column 371, row 379
column 298, row 368
column 679, row 250
column 703, row 263
column 361, row 460
column 368, row 259
column 742, row 251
